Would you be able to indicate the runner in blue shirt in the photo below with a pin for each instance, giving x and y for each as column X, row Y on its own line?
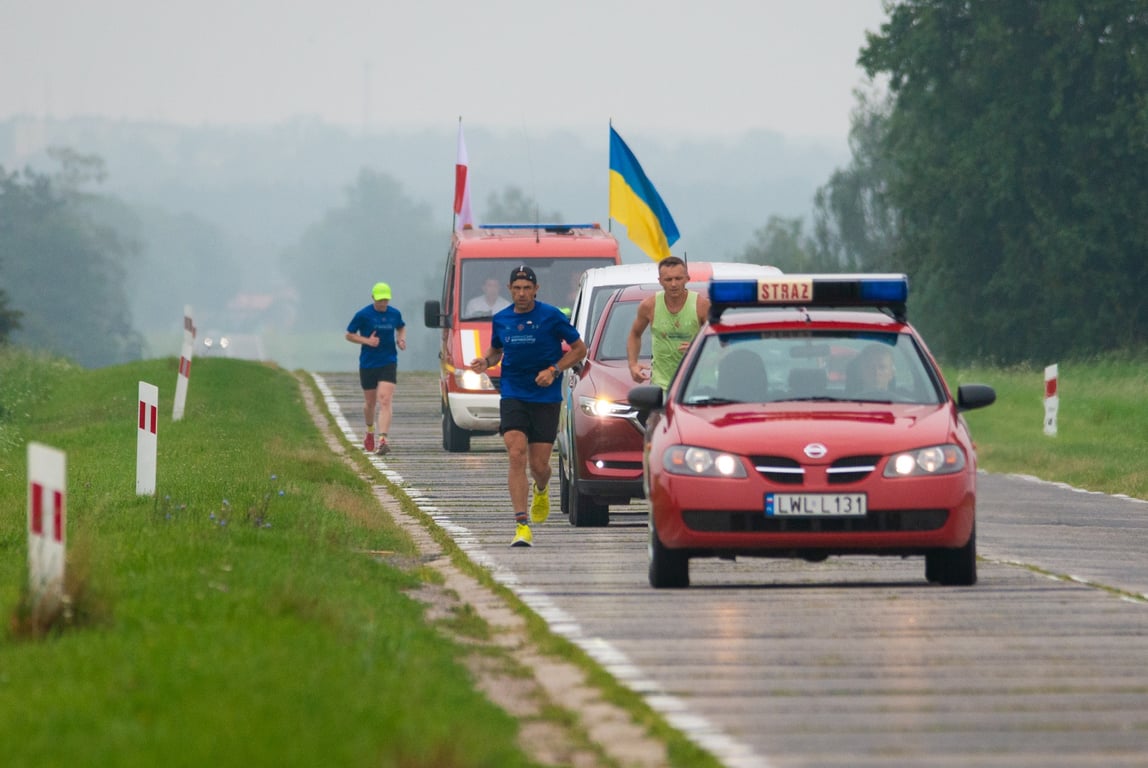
column 527, row 337
column 380, row 329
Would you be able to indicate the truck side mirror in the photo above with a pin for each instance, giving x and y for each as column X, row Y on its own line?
column 432, row 315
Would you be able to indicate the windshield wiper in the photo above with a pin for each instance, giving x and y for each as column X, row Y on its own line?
column 712, row 400
column 809, row 399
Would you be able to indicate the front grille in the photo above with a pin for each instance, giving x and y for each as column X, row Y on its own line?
column 785, row 471
column 779, row 469
column 851, row 469
column 757, row 522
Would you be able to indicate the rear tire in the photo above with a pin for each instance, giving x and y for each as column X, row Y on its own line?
column 954, row 567
column 455, row 439
column 669, row 568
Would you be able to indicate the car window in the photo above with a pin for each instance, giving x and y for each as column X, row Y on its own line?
column 615, row 332
column 775, row 366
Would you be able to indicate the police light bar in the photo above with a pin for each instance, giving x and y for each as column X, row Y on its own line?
column 888, row 292
column 559, row 228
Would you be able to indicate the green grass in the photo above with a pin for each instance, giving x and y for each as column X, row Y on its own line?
column 233, row 619
column 1101, row 423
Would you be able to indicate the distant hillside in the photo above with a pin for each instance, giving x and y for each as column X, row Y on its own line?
column 215, row 208
column 265, row 185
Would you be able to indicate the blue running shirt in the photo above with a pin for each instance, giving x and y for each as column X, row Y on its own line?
column 531, row 341
column 369, row 320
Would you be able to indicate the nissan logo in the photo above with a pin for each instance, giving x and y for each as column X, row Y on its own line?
column 816, row 451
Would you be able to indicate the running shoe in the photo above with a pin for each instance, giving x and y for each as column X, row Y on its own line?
column 522, row 536
column 540, row 506
column 369, row 442
column 383, row 447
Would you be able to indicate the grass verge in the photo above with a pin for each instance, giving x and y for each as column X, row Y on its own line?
column 234, row 618
column 1101, row 423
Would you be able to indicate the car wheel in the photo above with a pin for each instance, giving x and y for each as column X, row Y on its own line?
column 669, row 568
column 563, row 487
column 454, row 438
column 583, row 510
column 954, row 567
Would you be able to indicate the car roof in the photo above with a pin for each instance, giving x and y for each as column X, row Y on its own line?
column 647, row 272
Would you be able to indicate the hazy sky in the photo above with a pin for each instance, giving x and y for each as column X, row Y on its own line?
column 678, row 67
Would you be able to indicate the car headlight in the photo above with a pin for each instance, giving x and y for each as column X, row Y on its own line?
column 934, row 460
column 701, row 462
column 605, row 408
column 468, row 379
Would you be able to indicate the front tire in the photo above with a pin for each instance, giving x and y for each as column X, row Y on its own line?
column 954, row 567
column 563, row 487
column 669, row 568
column 583, row 511
column 455, row 439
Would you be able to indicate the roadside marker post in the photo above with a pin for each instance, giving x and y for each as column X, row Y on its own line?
column 47, row 519
column 184, row 376
column 1051, row 399
column 146, row 438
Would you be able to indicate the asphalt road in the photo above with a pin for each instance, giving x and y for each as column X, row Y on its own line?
column 850, row 662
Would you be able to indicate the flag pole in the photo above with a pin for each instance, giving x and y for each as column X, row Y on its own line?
column 609, row 221
column 453, row 212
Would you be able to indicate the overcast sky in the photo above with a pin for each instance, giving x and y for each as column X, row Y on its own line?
column 677, row 67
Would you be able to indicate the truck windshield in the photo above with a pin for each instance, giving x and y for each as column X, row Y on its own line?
column 484, row 281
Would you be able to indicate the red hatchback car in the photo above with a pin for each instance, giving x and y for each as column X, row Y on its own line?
column 815, row 424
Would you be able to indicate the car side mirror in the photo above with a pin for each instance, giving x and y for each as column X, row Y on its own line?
column 646, row 398
column 432, row 315
column 973, row 396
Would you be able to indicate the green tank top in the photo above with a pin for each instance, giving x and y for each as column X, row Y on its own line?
column 667, row 332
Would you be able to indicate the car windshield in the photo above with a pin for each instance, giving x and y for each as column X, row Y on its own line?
column 612, row 343
column 786, row 366
column 484, row 282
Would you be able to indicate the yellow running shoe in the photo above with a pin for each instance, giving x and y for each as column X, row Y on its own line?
column 540, row 505
column 522, row 536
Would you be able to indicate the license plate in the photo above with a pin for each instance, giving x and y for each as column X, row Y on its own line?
column 815, row 504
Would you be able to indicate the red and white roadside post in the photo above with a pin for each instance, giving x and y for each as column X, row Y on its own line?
column 146, row 439
column 1051, row 399
column 47, row 516
column 181, row 381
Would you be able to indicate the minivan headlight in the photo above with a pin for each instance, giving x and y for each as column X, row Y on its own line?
column 468, row 379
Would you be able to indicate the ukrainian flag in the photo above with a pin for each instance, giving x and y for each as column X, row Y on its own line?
column 635, row 203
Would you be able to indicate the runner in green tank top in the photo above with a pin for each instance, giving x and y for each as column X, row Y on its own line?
column 674, row 316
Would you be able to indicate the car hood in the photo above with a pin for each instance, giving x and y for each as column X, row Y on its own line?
column 607, row 379
column 784, row 429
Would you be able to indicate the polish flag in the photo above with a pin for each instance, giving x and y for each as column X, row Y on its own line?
column 463, row 216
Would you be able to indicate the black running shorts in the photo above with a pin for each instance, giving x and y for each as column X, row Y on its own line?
column 538, row 421
column 369, row 378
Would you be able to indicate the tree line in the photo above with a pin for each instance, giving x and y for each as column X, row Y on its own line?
column 1003, row 172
